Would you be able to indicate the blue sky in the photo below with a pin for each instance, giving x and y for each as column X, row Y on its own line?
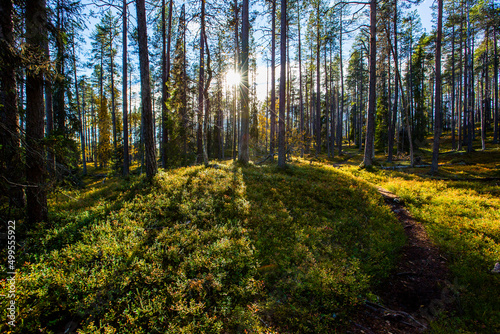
column 423, row 9
column 426, row 14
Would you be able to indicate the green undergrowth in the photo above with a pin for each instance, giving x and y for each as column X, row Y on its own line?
column 463, row 219
column 206, row 250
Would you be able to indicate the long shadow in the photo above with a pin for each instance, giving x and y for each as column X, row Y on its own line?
column 70, row 227
column 307, row 219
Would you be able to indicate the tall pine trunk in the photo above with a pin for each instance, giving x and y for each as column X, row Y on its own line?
column 392, row 127
column 35, row 166
column 318, row 81
column 10, row 158
column 453, row 116
column 147, row 112
column 281, row 121
column 112, row 73
column 126, row 161
column 301, row 101
column 495, row 115
column 437, row 109
column 340, row 118
column 201, row 81
column 273, row 79
column 166, row 41
column 243, row 154
column 80, row 118
column 59, row 83
column 49, row 114
column 370, row 121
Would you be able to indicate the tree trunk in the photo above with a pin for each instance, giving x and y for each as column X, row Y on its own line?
column 485, row 100
column 461, row 92
column 126, row 161
column 147, row 113
column 243, row 154
column 273, row 79
column 10, row 159
column 59, row 107
column 94, row 130
column 201, row 81
column 495, row 116
column 470, row 84
column 318, row 79
column 281, row 134
column 340, row 119
column 35, row 167
column 113, row 111
column 331, row 140
column 453, row 116
column 80, row 118
column 396, row 87
column 206, row 118
column 370, row 121
column 49, row 114
column 437, row 109
column 327, row 103
column 301, row 101
column 166, row 41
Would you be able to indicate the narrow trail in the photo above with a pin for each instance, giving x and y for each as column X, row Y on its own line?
column 417, row 290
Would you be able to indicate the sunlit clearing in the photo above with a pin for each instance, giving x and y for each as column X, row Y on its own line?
column 233, row 78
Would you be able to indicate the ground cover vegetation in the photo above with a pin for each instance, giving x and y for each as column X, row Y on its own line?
column 209, row 250
column 459, row 208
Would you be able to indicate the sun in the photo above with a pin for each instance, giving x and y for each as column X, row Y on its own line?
column 233, row 78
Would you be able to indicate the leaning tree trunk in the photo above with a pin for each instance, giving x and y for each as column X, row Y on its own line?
column 243, row 154
column 147, row 113
column 406, row 105
column 35, row 166
column 370, row 121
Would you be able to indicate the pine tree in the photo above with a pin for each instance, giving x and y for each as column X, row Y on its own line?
column 147, row 111
column 10, row 151
column 36, row 21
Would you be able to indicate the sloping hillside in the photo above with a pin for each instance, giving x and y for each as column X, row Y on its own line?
column 207, row 250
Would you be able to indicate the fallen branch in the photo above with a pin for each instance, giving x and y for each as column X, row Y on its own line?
column 394, row 315
column 270, row 156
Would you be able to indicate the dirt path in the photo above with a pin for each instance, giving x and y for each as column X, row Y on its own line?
column 416, row 291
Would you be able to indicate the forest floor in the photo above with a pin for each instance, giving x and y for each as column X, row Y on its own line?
column 416, row 286
column 319, row 247
column 443, row 278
